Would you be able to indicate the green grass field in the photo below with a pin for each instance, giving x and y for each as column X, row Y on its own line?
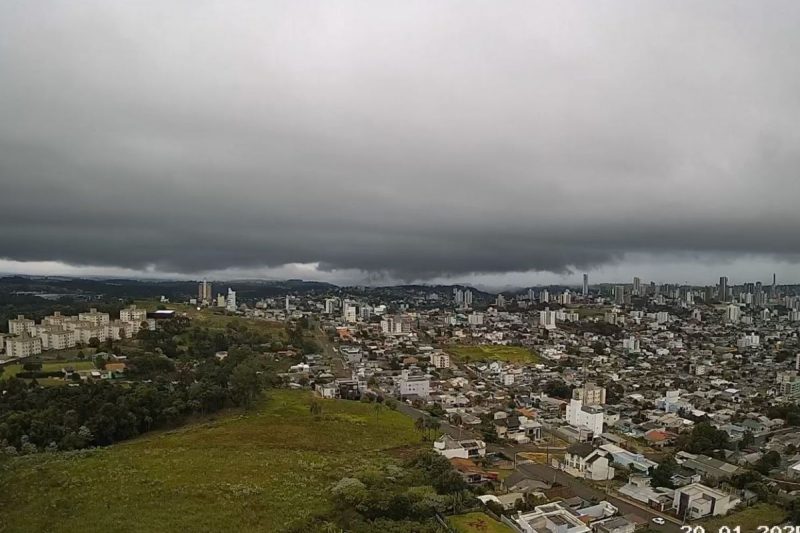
column 48, row 366
column 477, row 523
column 762, row 514
column 491, row 352
column 593, row 311
column 259, row 471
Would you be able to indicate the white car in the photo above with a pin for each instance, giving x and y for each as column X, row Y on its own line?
column 660, row 521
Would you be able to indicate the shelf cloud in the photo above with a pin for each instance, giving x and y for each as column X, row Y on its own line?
column 411, row 140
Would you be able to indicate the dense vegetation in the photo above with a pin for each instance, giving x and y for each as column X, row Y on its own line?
column 174, row 375
column 394, row 499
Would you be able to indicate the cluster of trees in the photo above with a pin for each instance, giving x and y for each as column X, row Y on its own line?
column 556, row 388
column 705, row 439
column 661, row 476
column 299, row 338
column 36, row 418
column 789, row 412
column 394, row 499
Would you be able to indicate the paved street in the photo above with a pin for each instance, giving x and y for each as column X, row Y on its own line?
column 547, row 473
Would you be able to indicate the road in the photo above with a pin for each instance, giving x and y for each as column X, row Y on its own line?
column 548, row 474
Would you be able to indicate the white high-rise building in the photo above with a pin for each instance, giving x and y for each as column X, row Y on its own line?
column 349, row 312
column 204, row 292
column 20, row 325
column 501, row 301
column 467, row 298
column 458, row 296
column 23, row 346
column 475, row 319
column 619, row 294
column 565, row 298
column 544, row 296
column 637, row 286
column 586, row 284
column 330, row 306
column 585, row 410
column 631, row 344
column 733, row 314
column 749, row 341
column 230, row 301
column 547, row 319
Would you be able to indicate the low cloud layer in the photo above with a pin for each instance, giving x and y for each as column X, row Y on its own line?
column 414, row 140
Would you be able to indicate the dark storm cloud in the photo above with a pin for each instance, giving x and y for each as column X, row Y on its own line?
column 416, row 138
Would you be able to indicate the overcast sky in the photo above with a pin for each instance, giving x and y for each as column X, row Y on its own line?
column 493, row 142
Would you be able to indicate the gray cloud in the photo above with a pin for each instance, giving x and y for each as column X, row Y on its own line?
column 416, row 139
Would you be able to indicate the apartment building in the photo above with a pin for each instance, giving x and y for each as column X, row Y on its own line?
column 23, row 346
column 20, row 325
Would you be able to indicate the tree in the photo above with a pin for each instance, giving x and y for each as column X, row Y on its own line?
column 431, row 425
column 558, row 389
column 747, row 439
column 704, row 438
column 349, row 491
column 315, row 408
column 662, row 474
column 419, row 424
column 378, row 407
column 245, row 383
column 767, row 462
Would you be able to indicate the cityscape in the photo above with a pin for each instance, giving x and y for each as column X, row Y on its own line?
column 602, row 407
column 380, row 266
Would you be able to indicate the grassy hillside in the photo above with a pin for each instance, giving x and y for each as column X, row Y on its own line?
column 216, row 319
column 260, row 471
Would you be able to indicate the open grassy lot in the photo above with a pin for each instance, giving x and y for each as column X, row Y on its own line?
column 49, row 366
column 213, row 318
column 749, row 519
column 259, row 471
column 491, row 352
column 477, row 523
column 589, row 311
